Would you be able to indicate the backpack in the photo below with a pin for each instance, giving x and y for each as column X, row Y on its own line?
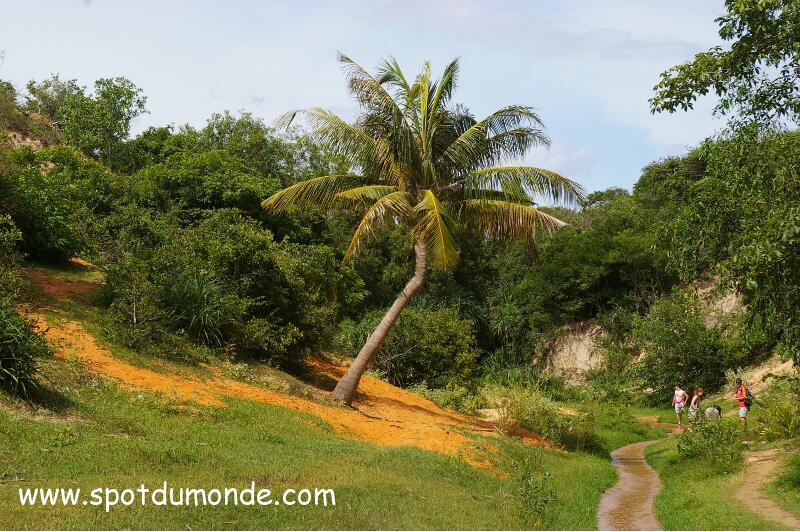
column 749, row 398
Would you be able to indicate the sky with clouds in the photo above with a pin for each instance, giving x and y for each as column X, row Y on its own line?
column 587, row 66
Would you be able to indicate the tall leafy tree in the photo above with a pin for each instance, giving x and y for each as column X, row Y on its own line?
column 758, row 77
column 97, row 124
column 421, row 160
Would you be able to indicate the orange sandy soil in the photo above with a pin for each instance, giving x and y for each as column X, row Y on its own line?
column 382, row 413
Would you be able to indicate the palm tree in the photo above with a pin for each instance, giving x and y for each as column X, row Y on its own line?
column 420, row 160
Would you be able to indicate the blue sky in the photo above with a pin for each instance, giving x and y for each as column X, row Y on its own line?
column 587, row 66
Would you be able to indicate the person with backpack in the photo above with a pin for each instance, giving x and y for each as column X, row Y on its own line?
column 679, row 399
column 745, row 399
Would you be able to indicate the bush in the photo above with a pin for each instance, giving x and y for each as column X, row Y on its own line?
column 19, row 349
column 46, row 217
column 10, row 274
column 714, row 441
column 679, row 348
column 461, row 398
column 434, row 347
column 532, row 410
column 533, row 487
column 779, row 410
column 225, row 283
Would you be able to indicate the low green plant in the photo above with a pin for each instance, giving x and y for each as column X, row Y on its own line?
column 20, row 348
column 534, row 488
column 533, row 410
column 713, row 441
column 453, row 396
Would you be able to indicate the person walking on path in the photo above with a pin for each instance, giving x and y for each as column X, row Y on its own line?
column 679, row 399
column 694, row 405
column 742, row 397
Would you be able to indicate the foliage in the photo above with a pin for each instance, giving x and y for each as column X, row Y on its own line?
column 226, row 283
column 46, row 217
column 98, row 123
column 533, row 487
column 779, row 410
column 453, row 396
column 10, row 274
column 533, row 410
column 20, row 348
column 727, row 222
column 193, row 182
column 713, row 441
column 679, row 348
column 757, row 77
column 427, row 346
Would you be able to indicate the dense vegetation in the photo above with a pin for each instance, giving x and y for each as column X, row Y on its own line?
column 173, row 217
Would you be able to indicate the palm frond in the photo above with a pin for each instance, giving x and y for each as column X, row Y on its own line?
column 316, row 191
column 433, row 228
column 394, row 205
column 367, row 193
column 471, row 149
column 504, row 219
column 531, row 180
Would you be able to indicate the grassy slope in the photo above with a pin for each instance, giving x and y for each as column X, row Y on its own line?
column 96, row 435
column 124, row 439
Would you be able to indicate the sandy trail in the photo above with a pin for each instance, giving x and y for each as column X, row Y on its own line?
column 761, row 468
column 381, row 414
column 629, row 504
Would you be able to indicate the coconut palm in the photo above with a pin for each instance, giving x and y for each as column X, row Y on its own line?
column 419, row 159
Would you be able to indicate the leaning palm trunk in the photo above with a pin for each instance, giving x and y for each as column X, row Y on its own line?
column 348, row 384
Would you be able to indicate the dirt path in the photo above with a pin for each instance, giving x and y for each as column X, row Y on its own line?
column 761, row 468
column 629, row 504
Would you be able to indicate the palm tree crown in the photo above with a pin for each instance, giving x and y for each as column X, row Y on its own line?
column 419, row 159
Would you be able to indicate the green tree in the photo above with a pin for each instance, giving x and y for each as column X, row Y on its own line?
column 98, row 123
column 421, row 160
column 758, row 76
column 49, row 98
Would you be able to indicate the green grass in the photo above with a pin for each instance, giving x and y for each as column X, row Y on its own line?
column 101, row 436
column 786, row 488
column 695, row 496
column 85, row 432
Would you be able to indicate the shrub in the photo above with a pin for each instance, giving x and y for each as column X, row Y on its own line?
column 453, row 396
column 10, row 274
column 679, row 348
column 19, row 349
column 434, row 347
column 714, row 441
column 38, row 205
column 203, row 306
column 532, row 410
column 779, row 410
column 225, row 283
column 533, row 487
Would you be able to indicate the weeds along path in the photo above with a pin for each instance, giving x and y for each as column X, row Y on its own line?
column 382, row 413
column 629, row 504
column 761, row 468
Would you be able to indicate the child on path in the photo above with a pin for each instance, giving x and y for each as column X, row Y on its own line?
column 679, row 399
